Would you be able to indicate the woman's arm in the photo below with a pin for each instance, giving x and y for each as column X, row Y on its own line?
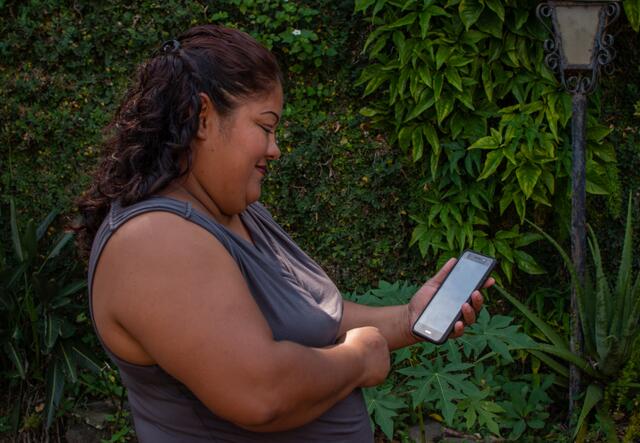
column 394, row 322
column 170, row 287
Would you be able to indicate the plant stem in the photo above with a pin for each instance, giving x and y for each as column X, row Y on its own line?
column 33, row 318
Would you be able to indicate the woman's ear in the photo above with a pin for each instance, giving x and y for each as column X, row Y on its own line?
column 206, row 117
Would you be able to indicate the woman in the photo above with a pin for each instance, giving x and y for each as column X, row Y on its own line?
column 222, row 328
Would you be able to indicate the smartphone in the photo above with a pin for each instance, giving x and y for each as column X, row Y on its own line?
column 445, row 307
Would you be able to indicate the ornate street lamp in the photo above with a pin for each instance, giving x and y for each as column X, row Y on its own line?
column 578, row 50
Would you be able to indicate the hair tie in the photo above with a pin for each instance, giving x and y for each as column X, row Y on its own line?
column 170, row 47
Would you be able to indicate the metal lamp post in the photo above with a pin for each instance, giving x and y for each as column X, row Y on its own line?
column 578, row 50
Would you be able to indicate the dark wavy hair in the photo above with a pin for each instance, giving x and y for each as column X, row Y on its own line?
column 149, row 142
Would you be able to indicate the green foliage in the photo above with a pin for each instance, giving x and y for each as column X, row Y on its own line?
column 524, row 410
column 340, row 189
column 466, row 92
column 40, row 313
column 624, row 393
column 340, row 192
column 609, row 318
column 633, row 430
column 466, row 381
column 608, row 313
column 283, row 26
column 632, row 10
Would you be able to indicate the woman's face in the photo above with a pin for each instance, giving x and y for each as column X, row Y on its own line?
column 231, row 154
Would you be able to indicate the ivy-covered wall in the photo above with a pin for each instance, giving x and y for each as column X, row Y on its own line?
column 356, row 186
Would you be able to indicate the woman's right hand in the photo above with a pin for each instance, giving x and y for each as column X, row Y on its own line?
column 371, row 345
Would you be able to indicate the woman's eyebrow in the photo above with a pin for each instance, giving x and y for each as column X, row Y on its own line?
column 273, row 113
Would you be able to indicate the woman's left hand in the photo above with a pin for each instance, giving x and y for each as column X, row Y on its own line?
column 424, row 294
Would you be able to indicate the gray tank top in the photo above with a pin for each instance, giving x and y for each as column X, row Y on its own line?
column 296, row 297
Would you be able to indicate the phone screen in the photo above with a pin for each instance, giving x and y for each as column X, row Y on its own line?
column 468, row 273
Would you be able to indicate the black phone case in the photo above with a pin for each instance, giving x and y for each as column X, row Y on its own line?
column 478, row 286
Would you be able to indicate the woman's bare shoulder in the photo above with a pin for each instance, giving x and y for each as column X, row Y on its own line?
column 145, row 270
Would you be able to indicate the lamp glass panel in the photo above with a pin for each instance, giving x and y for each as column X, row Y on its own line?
column 578, row 28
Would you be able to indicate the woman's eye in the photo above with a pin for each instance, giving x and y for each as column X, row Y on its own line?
column 267, row 129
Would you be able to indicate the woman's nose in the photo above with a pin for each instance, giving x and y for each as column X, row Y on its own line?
column 273, row 153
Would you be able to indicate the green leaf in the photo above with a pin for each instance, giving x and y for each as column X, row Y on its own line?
column 548, row 332
column 425, row 18
column 453, row 78
column 438, row 82
column 363, row 5
column 526, row 263
column 493, row 160
column 497, row 7
column 404, row 137
column 488, row 142
column 72, row 288
column 418, row 144
column 561, row 370
column 427, row 101
column 42, row 228
column 404, row 21
column 369, row 112
column 486, row 411
column 487, row 82
column 443, row 384
column 491, row 24
column 626, row 261
column 15, row 234
column 16, row 359
column 465, row 98
column 434, row 162
column 374, row 84
column 498, row 334
column 595, row 188
column 68, row 361
column 528, row 175
column 442, row 55
column 432, row 137
column 470, row 11
column 632, row 11
column 592, row 397
column 64, row 240
column 55, row 388
column 85, row 358
column 382, row 406
column 425, row 75
column 526, row 239
column 52, row 330
column 504, row 249
column 521, row 16
column 444, row 106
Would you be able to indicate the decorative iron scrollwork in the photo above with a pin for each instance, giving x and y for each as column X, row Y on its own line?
column 581, row 81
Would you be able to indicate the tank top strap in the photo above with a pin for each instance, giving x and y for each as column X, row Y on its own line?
column 119, row 215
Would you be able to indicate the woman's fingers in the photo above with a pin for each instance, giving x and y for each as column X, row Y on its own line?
column 477, row 300
column 458, row 330
column 468, row 314
column 489, row 282
column 437, row 279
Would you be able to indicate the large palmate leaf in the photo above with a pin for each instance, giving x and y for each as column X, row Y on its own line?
column 478, row 407
column 382, row 406
column 440, row 383
column 497, row 333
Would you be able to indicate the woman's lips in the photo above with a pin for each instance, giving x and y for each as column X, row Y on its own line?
column 262, row 169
